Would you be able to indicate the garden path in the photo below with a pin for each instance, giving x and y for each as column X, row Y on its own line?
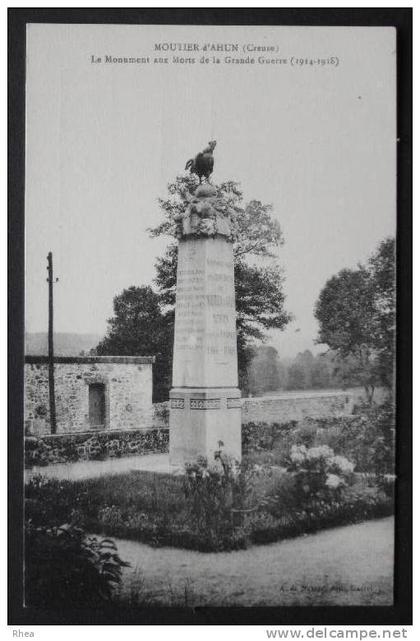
column 92, row 469
column 351, row 565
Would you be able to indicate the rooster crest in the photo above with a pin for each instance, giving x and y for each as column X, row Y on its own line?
column 203, row 163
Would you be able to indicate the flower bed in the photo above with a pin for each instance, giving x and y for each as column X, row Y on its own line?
column 219, row 507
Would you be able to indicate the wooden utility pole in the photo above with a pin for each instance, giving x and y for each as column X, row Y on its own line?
column 51, row 384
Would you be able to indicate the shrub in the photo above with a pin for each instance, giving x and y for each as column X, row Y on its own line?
column 37, row 452
column 221, row 496
column 66, row 569
column 265, row 436
column 305, row 433
column 314, row 476
column 161, row 412
column 210, row 496
column 317, row 471
column 383, row 419
column 366, row 438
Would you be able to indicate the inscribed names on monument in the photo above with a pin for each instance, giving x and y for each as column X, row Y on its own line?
column 205, row 332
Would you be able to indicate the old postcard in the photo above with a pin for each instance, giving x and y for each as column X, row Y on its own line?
column 210, row 317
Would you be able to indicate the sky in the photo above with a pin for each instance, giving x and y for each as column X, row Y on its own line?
column 103, row 140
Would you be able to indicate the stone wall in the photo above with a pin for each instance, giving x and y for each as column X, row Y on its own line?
column 94, row 446
column 285, row 408
column 127, row 382
column 282, row 408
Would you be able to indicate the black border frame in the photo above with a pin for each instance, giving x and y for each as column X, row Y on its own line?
column 401, row 18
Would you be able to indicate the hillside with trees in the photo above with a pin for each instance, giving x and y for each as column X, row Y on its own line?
column 268, row 372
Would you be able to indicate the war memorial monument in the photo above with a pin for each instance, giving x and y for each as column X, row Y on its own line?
column 205, row 404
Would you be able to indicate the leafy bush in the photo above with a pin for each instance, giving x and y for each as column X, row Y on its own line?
column 314, row 476
column 37, row 452
column 161, row 414
column 217, row 495
column 265, row 436
column 66, row 569
column 367, row 438
column 210, row 496
column 318, row 470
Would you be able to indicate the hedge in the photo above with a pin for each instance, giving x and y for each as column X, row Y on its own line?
column 88, row 446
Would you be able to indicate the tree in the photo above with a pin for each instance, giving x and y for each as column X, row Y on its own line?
column 258, row 287
column 382, row 270
column 320, row 375
column 356, row 315
column 295, row 377
column 305, row 360
column 265, row 371
column 140, row 327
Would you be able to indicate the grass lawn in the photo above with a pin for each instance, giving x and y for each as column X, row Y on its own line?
column 345, row 566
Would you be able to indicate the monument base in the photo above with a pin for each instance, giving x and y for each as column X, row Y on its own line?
column 200, row 420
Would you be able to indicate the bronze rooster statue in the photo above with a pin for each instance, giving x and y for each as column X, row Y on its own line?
column 203, row 163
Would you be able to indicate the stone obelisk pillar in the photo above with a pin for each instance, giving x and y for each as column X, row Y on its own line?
column 205, row 405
